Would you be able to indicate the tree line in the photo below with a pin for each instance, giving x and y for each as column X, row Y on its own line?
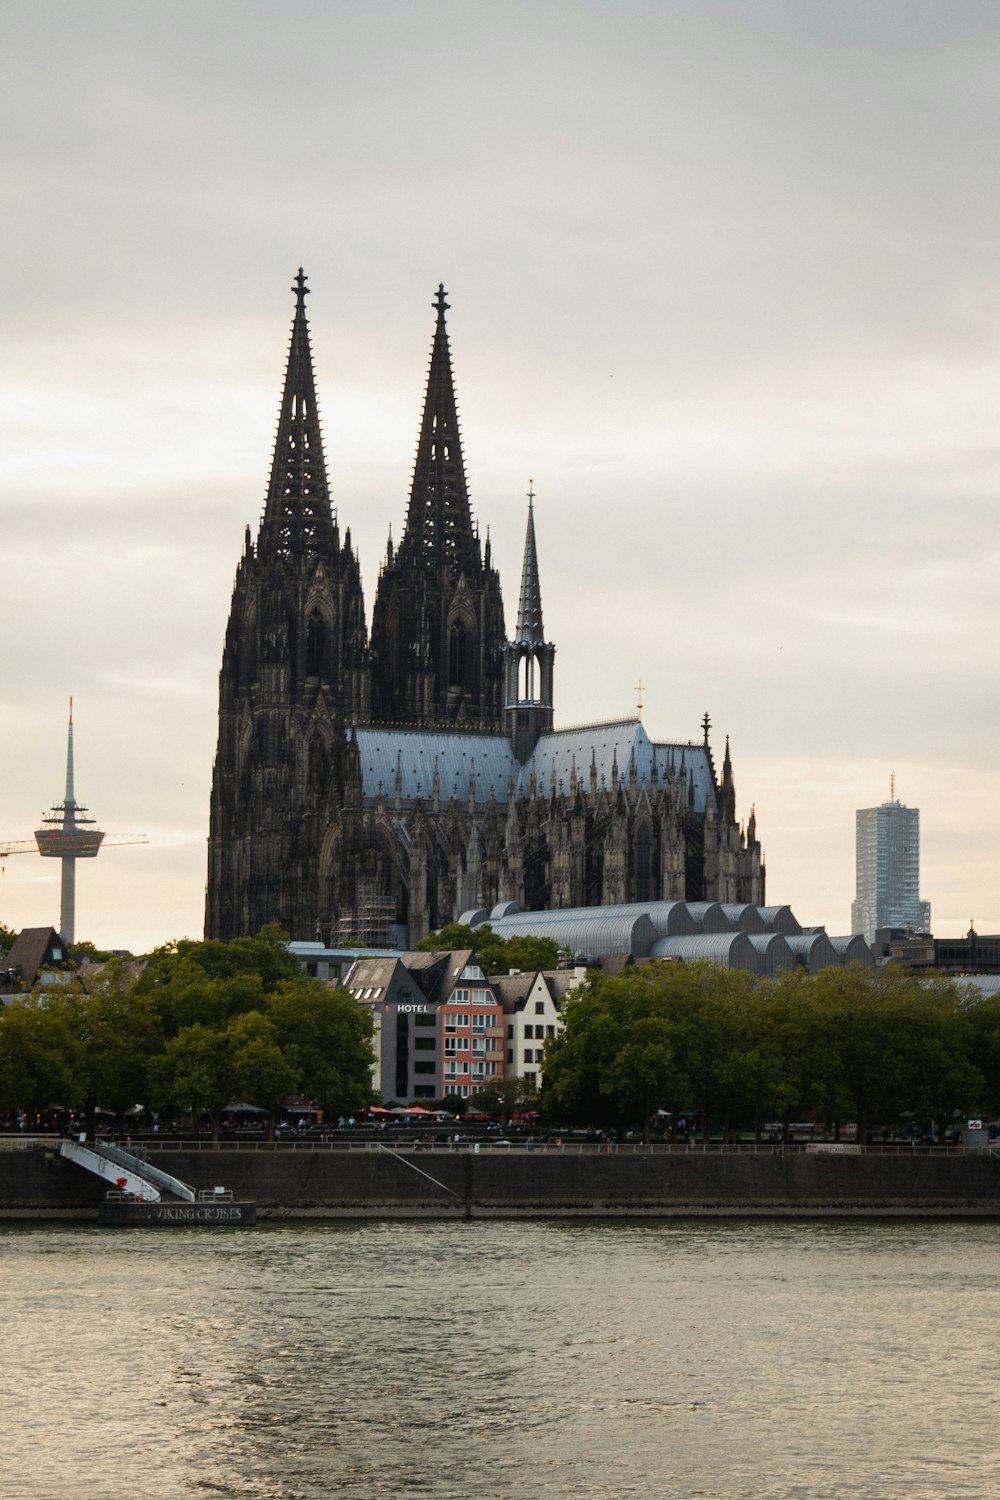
column 204, row 1024
column 737, row 1051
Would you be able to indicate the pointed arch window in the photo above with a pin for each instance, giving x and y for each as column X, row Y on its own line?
column 315, row 645
column 457, row 653
column 643, row 864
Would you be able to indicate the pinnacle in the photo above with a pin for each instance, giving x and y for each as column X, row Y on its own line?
column 529, row 610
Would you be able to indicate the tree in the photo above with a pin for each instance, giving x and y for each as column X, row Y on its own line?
column 332, row 1039
column 497, row 955
column 193, row 1072
column 642, row 1074
column 267, row 955
column 260, row 1069
column 118, row 1028
column 7, row 936
column 503, row 1096
column 41, row 1060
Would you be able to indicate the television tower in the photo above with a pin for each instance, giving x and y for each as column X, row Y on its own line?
column 68, row 834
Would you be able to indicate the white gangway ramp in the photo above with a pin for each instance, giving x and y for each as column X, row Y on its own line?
column 113, row 1164
column 144, row 1169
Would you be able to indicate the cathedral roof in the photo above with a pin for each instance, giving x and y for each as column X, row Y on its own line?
column 417, row 755
column 420, row 754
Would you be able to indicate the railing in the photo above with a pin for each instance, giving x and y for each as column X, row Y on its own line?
column 505, row 1146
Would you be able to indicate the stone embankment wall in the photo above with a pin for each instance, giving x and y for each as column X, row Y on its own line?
column 361, row 1184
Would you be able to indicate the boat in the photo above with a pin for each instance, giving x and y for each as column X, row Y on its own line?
column 142, row 1194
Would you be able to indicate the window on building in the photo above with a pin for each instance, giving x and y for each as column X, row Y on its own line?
column 550, row 1031
column 460, row 997
column 510, row 1054
column 424, row 1067
column 510, row 1033
column 450, row 1046
column 539, row 1007
column 479, row 1046
column 529, row 1078
column 424, row 1019
column 425, row 1043
column 480, row 1021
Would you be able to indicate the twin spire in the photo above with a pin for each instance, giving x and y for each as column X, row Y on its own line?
column 439, row 526
column 297, row 521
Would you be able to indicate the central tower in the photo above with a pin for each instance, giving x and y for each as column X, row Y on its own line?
column 437, row 641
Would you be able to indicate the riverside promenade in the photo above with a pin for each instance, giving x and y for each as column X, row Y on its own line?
column 495, row 1179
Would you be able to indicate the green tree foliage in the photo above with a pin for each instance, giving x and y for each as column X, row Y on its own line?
column 497, row 955
column 331, row 1037
column 736, row 1049
column 204, row 1024
column 502, row 1096
column 7, row 936
column 41, row 1060
column 193, row 1072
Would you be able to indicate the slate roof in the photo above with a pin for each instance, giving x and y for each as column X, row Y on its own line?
column 32, row 949
column 557, row 758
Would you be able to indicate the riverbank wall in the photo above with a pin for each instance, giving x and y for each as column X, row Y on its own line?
column 386, row 1184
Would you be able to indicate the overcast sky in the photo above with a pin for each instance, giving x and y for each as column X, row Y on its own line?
column 724, row 283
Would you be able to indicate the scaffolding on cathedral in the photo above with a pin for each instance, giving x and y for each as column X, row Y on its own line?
column 369, row 923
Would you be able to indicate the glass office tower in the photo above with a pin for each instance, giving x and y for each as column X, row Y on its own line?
column 888, row 871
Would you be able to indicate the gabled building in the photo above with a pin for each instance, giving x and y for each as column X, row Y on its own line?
column 438, row 1023
column 370, row 789
column 37, row 956
column 531, row 1017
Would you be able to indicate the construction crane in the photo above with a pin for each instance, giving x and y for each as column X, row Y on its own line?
column 68, row 834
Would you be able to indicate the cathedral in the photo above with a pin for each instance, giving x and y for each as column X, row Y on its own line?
column 370, row 786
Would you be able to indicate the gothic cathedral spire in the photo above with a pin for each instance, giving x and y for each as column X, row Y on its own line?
column 438, row 519
column 437, row 630
column 528, row 701
column 297, row 524
column 293, row 674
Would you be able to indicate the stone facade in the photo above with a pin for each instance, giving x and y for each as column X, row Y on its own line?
column 370, row 789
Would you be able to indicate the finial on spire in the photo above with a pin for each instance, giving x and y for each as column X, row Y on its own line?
column 439, row 302
column 892, row 787
column 531, row 494
column 301, row 290
column 706, row 725
column 71, row 711
column 638, row 699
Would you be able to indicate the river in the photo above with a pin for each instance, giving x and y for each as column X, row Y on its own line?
column 501, row 1361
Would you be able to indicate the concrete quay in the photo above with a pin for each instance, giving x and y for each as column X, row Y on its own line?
column 371, row 1181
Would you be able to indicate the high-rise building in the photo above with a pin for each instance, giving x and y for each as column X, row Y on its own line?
column 888, row 870
column 370, row 786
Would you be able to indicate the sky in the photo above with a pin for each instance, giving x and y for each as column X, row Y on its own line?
column 724, row 283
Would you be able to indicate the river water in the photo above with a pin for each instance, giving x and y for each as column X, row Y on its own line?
column 501, row 1360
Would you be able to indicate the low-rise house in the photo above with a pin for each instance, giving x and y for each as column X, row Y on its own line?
column 37, row 957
